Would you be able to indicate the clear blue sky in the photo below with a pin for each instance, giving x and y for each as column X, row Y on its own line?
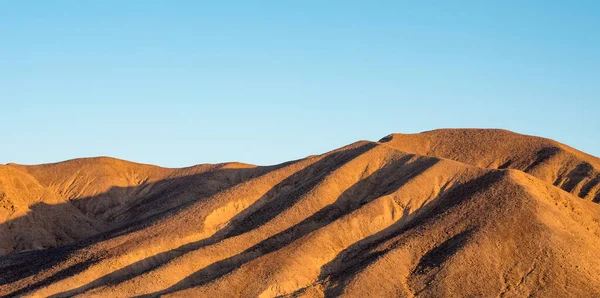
column 177, row 83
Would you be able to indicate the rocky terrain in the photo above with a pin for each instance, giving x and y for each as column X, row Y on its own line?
column 444, row 213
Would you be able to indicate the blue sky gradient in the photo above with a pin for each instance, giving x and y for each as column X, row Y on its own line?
column 177, row 83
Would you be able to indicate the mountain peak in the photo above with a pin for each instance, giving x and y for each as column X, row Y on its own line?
column 463, row 212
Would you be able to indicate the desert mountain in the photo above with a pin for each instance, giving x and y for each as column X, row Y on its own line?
column 442, row 213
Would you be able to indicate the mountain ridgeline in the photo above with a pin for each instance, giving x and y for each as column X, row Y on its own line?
column 444, row 213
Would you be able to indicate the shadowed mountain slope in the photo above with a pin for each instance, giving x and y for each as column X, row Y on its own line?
column 51, row 205
column 442, row 213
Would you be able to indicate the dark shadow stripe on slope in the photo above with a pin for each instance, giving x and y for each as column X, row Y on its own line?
column 402, row 172
column 38, row 264
column 275, row 201
column 363, row 253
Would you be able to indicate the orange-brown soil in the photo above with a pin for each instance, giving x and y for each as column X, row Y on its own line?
column 445, row 213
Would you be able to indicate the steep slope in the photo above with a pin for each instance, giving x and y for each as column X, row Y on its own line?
column 367, row 219
column 27, row 219
column 553, row 162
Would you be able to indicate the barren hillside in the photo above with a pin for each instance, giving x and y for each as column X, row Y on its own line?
column 444, row 213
